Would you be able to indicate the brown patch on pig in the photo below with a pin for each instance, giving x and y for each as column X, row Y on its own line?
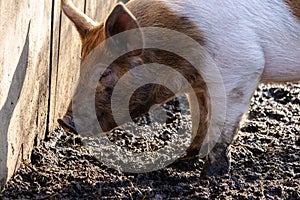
column 158, row 14
column 92, row 39
column 203, row 103
column 294, row 6
column 151, row 14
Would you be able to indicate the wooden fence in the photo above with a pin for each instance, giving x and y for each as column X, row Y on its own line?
column 39, row 56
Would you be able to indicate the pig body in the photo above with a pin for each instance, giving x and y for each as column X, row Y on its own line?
column 250, row 41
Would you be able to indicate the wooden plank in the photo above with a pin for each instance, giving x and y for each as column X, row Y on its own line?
column 24, row 78
column 66, row 63
column 66, row 54
column 40, row 60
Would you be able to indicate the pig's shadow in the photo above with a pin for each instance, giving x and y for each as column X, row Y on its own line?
column 13, row 96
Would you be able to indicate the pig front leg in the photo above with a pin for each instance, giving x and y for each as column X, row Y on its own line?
column 200, row 115
column 238, row 94
column 217, row 162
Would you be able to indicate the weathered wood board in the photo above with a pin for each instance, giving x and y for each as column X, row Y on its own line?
column 39, row 64
column 24, row 79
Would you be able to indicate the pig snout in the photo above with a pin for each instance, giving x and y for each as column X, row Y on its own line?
column 104, row 119
column 67, row 123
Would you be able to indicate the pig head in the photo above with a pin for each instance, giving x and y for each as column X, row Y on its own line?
column 92, row 34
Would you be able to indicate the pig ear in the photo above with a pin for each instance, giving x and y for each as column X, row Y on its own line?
column 120, row 20
column 82, row 22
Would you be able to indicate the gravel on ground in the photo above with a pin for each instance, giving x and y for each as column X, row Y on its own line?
column 265, row 163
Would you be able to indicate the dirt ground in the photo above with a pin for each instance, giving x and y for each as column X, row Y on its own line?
column 265, row 165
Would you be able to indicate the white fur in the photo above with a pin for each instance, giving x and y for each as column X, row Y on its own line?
column 250, row 41
column 239, row 30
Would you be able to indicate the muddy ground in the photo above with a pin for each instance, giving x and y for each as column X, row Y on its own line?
column 265, row 165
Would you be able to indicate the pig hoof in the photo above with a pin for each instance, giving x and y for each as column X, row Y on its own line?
column 187, row 163
column 191, row 153
column 218, row 168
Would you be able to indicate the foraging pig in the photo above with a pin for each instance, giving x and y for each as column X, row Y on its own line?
column 250, row 41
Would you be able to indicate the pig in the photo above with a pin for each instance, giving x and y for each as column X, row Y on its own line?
column 251, row 41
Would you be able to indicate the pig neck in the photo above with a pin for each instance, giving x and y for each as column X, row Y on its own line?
column 158, row 13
